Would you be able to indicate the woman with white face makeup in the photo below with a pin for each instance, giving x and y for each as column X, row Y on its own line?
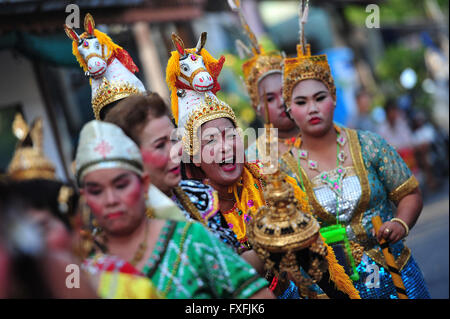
column 183, row 259
column 262, row 75
column 351, row 176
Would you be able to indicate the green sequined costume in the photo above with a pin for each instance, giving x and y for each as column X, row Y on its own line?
column 188, row 262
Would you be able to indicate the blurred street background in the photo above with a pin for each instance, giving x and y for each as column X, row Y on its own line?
column 389, row 59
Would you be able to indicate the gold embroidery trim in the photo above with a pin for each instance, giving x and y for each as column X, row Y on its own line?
column 401, row 260
column 404, row 189
column 355, row 151
column 318, row 210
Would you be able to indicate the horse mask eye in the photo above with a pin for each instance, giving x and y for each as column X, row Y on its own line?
column 185, row 67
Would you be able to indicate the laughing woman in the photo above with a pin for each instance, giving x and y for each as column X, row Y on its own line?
column 351, row 176
column 216, row 155
column 182, row 259
column 145, row 119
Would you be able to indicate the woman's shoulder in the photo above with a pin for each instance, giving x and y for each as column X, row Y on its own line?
column 192, row 184
column 366, row 136
column 203, row 196
column 367, row 139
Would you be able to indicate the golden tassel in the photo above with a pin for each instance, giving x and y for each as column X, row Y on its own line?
column 338, row 275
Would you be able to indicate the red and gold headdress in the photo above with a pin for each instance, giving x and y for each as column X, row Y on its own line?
column 260, row 64
column 305, row 66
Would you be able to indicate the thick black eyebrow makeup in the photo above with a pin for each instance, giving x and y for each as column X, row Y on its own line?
column 121, row 176
column 304, row 97
column 94, row 184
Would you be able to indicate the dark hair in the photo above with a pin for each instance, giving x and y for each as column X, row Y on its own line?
column 390, row 105
column 105, row 110
column 133, row 113
column 26, row 272
column 361, row 92
column 43, row 194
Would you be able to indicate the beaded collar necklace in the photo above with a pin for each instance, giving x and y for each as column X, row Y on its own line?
column 333, row 179
column 325, row 177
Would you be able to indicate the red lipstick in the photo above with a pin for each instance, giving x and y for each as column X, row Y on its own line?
column 314, row 120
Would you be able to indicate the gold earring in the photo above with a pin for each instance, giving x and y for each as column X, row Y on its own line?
column 149, row 210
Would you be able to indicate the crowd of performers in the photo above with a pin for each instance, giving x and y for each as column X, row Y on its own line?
column 150, row 216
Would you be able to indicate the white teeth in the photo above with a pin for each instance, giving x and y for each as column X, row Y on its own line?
column 228, row 161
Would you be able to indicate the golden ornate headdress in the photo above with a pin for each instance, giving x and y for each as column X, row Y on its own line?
column 261, row 64
column 201, row 109
column 29, row 161
column 305, row 66
column 116, row 79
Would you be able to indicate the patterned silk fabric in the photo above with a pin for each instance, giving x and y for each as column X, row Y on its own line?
column 202, row 197
column 189, row 262
column 383, row 179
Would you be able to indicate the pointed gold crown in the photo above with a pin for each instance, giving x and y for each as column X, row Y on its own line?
column 210, row 108
column 306, row 66
column 256, row 68
column 260, row 64
column 29, row 161
column 109, row 92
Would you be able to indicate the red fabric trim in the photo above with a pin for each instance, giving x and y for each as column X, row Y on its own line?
column 274, row 283
column 181, row 85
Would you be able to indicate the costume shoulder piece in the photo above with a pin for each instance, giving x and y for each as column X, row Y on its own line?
column 109, row 67
column 29, row 161
column 204, row 197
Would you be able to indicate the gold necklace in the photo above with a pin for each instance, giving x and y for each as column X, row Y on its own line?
column 139, row 254
column 188, row 205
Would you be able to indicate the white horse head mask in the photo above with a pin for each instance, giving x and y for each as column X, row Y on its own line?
column 193, row 72
column 93, row 53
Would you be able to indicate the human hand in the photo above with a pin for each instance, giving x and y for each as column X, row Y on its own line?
column 392, row 232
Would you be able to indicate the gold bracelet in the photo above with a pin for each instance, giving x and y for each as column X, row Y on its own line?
column 398, row 220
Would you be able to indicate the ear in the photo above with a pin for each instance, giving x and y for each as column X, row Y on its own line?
column 178, row 43
column 145, row 182
column 89, row 24
column 71, row 33
column 201, row 42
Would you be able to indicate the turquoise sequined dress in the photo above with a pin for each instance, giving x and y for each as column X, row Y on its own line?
column 378, row 179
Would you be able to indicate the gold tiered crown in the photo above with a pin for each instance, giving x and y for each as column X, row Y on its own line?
column 109, row 92
column 209, row 109
column 304, row 67
column 29, row 161
column 256, row 68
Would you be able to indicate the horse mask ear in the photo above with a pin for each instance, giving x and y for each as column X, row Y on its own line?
column 178, row 43
column 71, row 33
column 201, row 43
column 89, row 24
